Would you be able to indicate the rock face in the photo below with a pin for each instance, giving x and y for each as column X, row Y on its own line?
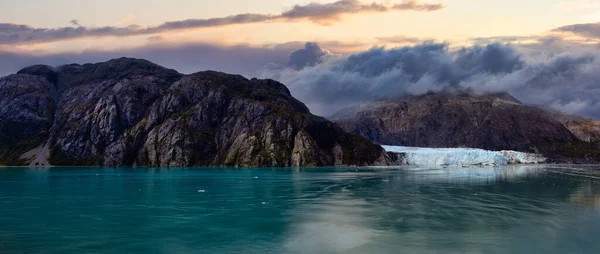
column 129, row 112
column 463, row 118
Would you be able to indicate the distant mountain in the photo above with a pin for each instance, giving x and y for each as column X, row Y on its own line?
column 464, row 118
column 130, row 112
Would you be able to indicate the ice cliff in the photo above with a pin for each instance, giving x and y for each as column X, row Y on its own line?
column 459, row 156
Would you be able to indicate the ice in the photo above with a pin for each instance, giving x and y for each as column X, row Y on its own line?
column 460, row 156
column 523, row 158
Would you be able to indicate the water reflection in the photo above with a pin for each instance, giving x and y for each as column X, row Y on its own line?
column 516, row 209
column 587, row 195
column 474, row 175
column 453, row 210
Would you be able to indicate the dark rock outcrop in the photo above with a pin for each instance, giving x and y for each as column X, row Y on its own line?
column 26, row 115
column 463, row 118
column 130, row 112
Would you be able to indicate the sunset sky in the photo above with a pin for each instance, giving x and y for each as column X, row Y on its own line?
column 455, row 21
column 330, row 54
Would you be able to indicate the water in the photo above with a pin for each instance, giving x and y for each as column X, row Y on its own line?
column 455, row 210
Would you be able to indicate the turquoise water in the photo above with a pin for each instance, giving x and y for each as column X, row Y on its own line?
column 454, row 210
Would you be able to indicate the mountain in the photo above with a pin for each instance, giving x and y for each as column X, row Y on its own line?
column 464, row 118
column 130, row 112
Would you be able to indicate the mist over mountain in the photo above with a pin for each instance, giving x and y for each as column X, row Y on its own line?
column 559, row 80
column 551, row 73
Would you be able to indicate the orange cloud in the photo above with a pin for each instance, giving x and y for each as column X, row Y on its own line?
column 315, row 12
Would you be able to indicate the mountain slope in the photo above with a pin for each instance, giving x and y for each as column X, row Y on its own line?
column 130, row 112
column 468, row 119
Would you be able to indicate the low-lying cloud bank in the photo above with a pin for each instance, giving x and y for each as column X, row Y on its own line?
column 565, row 81
column 315, row 12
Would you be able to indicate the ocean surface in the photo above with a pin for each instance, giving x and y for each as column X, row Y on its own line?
column 520, row 209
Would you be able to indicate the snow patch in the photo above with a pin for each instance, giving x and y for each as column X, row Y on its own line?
column 460, row 156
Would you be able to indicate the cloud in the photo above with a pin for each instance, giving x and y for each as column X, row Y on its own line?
column 126, row 19
column 560, row 80
column 186, row 58
column 75, row 22
column 323, row 13
column 18, row 34
column 310, row 55
column 503, row 39
column 11, row 34
column 493, row 58
column 591, row 30
column 402, row 39
column 376, row 73
column 565, row 82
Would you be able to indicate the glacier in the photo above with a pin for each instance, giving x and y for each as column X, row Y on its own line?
column 422, row 156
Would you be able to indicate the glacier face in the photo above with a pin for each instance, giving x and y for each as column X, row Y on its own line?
column 460, row 156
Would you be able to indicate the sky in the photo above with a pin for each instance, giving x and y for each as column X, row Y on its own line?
column 455, row 20
column 332, row 54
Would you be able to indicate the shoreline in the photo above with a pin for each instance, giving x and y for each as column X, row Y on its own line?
column 347, row 166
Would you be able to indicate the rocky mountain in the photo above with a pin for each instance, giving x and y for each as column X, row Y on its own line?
column 130, row 112
column 463, row 118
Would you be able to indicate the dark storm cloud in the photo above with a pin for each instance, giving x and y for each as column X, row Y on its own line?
column 564, row 81
column 18, row 34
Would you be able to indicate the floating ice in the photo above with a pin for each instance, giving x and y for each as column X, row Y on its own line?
column 460, row 156
column 201, row 191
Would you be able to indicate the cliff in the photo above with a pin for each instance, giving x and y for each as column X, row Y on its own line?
column 130, row 112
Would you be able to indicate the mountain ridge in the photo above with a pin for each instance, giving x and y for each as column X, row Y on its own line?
column 465, row 118
column 131, row 112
